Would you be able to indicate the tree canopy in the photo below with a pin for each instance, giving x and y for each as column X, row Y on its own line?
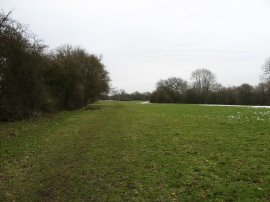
column 203, row 89
column 34, row 80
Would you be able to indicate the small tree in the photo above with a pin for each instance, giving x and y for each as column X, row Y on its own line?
column 82, row 77
column 245, row 94
column 170, row 90
column 203, row 81
column 266, row 70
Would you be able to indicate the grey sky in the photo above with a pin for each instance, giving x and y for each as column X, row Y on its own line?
column 143, row 41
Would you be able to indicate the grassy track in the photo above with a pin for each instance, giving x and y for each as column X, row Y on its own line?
column 128, row 151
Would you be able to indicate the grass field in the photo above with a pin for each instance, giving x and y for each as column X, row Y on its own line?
column 126, row 151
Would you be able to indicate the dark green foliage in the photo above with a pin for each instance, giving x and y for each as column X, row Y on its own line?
column 33, row 81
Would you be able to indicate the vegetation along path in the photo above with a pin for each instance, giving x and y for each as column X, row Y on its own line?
column 115, row 151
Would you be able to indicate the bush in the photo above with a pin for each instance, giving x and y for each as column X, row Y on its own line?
column 33, row 81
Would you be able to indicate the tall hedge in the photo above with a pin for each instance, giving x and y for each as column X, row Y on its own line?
column 34, row 80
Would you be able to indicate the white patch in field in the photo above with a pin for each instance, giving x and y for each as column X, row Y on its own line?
column 212, row 105
column 147, row 102
column 257, row 116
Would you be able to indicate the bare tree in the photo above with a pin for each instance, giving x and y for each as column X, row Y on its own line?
column 266, row 70
column 173, row 84
column 170, row 90
column 245, row 94
column 3, row 18
column 203, row 81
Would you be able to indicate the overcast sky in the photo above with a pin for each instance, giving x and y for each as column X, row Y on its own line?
column 143, row 41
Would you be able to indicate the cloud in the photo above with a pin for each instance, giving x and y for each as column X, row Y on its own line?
column 143, row 41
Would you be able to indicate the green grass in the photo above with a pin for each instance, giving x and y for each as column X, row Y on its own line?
column 126, row 151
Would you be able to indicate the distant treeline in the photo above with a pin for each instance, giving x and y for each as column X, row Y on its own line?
column 34, row 80
column 122, row 95
column 203, row 89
